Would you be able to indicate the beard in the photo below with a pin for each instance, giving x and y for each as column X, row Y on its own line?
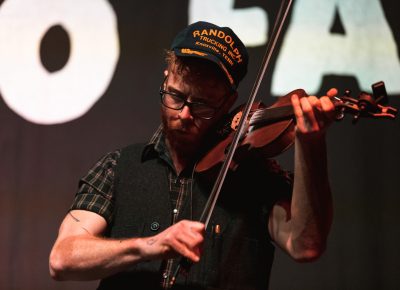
column 188, row 138
column 185, row 137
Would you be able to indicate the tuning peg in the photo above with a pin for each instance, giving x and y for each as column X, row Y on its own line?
column 340, row 113
column 347, row 93
column 366, row 103
column 356, row 117
column 380, row 93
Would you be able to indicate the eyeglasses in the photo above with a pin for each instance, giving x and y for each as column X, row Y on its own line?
column 176, row 101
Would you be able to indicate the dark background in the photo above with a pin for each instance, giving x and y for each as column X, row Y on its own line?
column 41, row 165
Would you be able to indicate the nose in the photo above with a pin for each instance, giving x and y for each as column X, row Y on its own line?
column 185, row 113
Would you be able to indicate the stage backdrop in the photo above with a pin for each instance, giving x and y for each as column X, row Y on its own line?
column 81, row 78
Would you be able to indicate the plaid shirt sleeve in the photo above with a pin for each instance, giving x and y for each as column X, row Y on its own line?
column 96, row 188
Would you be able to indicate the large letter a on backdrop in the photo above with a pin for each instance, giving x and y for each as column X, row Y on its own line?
column 366, row 51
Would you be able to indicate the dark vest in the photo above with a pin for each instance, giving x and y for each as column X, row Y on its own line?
column 239, row 257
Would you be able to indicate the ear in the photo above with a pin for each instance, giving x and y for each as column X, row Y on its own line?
column 165, row 73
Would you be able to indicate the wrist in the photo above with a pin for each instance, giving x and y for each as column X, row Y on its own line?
column 134, row 249
column 311, row 152
column 310, row 136
column 315, row 139
column 145, row 248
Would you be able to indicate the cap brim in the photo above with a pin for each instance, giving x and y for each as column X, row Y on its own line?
column 188, row 52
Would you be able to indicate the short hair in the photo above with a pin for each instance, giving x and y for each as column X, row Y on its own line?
column 193, row 68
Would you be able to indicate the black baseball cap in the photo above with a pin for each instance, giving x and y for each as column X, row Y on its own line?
column 217, row 44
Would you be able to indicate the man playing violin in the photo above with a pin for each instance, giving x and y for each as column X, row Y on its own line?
column 135, row 213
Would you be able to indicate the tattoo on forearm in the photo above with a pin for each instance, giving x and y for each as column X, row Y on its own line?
column 151, row 241
column 78, row 221
column 75, row 219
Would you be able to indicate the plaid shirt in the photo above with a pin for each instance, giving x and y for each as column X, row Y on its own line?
column 96, row 189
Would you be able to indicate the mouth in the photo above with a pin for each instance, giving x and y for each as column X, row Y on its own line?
column 184, row 127
column 183, row 131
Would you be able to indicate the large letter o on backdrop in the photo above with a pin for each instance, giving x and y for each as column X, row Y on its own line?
column 50, row 98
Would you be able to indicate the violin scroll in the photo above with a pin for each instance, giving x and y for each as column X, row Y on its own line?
column 366, row 105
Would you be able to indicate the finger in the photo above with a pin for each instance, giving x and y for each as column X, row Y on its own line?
column 191, row 227
column 189, row 248
column 332, row 92
column 327, row 105
column 310, row 121
column 191, row 254
column 197, row 226
column 182, row 249
column 314, row 102
column 190, row 236
column 328, row 108
column 324, row 115
column 298, row 112
column 191, row 239
column 317, row 111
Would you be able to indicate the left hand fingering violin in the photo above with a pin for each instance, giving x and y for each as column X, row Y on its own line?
column 271, row 129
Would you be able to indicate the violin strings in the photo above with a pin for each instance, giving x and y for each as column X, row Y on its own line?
column 269, row 115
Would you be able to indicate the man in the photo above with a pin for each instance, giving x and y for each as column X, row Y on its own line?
column 134, row 214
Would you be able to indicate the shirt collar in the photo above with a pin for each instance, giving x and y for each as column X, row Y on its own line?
column 156, row 147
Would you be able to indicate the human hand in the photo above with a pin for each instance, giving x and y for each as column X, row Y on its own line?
column 313, row 115
column 184, row 238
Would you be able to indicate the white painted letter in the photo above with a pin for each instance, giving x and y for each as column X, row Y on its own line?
column 367, row 51
column 250, row 24
column 50, row 98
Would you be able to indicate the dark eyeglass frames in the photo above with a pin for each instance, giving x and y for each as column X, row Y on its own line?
column 176, row 101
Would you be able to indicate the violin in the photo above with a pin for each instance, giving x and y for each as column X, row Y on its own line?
column 271, row 129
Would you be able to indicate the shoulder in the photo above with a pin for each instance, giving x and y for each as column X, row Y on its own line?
column 111, row 159
column 132, row 152
column 104, row 166
column 133, row 148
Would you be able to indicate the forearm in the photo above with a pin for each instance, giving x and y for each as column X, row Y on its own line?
column 301, row 226
column 87, row 257
column 311, row 207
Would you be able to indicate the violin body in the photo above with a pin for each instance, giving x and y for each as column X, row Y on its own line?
column 269, row 130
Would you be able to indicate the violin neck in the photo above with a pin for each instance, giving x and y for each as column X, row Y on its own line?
column 267, row 116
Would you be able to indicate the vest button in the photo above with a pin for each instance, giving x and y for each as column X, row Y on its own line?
column 154, row 226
